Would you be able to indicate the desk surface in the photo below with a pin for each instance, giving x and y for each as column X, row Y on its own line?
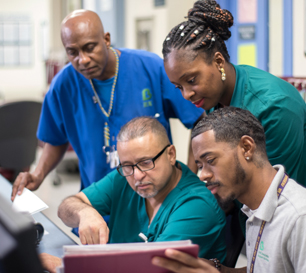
column 54, row 238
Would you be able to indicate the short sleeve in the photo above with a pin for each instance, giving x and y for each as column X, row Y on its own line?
column 100, row 194
column 51, row 127
column 284, row 129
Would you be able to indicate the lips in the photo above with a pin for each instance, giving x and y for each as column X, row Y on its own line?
column 142, row 186
column 89, row 70
column 199, row 103
column 213, row 187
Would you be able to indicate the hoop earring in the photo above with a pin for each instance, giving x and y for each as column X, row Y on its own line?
column 223, row 75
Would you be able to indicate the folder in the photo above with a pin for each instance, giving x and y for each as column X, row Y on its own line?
column 120, row 258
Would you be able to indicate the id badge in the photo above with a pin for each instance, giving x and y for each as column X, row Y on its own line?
column 114, row 159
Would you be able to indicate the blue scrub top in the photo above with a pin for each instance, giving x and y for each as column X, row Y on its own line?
column 143, row 89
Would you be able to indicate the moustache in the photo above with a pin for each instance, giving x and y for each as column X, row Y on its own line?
column 142, row 183
column 212, row 184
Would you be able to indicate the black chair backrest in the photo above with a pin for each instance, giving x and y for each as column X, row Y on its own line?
column 234, row 238
column 18, row 142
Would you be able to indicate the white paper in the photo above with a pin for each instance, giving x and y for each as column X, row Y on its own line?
column 109, row 248
column 28, row 202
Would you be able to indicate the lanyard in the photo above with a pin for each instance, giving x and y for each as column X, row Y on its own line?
column 280, row 189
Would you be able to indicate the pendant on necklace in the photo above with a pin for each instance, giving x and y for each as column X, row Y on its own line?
column 106, row 135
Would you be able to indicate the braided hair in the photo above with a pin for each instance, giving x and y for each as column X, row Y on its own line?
column 206, row 29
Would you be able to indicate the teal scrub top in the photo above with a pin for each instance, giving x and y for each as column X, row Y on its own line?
column 189, row 211
column 282, row 112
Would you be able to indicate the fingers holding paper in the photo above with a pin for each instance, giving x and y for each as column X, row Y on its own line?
column 180, row 262
column 25, row 179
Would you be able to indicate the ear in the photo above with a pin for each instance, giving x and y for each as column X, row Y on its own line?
column 172, row 155
column 247, row 147
column 219, row 60
column 107, row 39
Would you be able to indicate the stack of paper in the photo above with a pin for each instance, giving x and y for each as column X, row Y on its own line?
column 28, row 202
column 118, row 258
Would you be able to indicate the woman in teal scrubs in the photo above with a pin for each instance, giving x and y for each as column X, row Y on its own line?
column 197, row 62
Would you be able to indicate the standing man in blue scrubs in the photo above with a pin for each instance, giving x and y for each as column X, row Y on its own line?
column 100, row 90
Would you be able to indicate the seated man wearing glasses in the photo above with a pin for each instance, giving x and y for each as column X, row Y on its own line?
column 149, row 193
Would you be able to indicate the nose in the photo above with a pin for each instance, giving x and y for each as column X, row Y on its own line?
column 83, row 58
column 206, row 174
column 138, row 174
column 187, row 93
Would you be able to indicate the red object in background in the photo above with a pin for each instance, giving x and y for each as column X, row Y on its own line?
column 52, row 68
column 10, row 175
column 298, row 83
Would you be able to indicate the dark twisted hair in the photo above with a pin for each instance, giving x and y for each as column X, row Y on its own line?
column 206, row 29
column 230, row 124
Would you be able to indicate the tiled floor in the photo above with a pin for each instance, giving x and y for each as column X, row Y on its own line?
column 53, row 195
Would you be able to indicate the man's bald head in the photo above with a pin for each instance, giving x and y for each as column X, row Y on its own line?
column 80, row 21
column 86, row 45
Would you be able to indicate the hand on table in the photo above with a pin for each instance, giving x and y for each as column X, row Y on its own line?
column 181, row 262
column 92, row 228
column 49, row 262
column 25, row 179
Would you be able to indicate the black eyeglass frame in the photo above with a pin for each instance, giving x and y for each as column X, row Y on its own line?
column 136, row 165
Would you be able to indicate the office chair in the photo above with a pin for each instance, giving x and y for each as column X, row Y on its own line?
column 234, row 238
column 18, row 142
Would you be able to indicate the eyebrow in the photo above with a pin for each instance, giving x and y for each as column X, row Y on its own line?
column 184, row 75
column 202, row 156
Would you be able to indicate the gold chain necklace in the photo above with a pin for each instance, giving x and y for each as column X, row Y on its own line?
column 97, row 99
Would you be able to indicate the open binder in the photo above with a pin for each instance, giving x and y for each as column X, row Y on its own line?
column 118, row 258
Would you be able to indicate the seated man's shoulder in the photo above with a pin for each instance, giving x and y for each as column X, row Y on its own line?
column 295, row 194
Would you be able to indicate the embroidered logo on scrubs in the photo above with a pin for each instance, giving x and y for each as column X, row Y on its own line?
column 146, row 97
column 261, row 246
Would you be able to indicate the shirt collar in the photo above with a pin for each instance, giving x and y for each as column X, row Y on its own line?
column 241, row 86
column 269, row 204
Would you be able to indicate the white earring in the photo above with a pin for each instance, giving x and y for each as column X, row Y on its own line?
column 223, row 75
column 247, row 158
column 205, row 181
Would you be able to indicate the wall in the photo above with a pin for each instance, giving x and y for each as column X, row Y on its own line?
column 276, row 37
column 299, row 43
column 164, row 19
column 26, row 82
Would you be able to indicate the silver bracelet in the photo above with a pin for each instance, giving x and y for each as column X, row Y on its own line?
column 217, row 263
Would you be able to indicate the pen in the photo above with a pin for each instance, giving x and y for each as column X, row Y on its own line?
column 143, row 237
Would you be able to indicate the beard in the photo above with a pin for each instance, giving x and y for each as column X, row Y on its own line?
column 148, row 193
column 239, row 178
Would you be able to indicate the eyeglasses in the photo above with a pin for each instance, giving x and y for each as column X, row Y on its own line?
column 144, row 165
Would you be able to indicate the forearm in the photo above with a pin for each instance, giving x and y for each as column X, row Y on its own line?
column 225, row 269
column 50, row 157
column 76, row 211
column 71, row 210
